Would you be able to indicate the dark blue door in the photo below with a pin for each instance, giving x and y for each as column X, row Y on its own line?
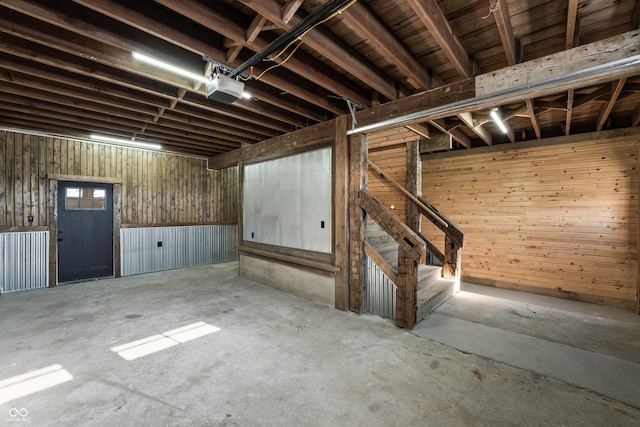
column 85, row 231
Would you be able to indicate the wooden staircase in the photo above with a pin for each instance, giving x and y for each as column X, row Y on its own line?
column 432, row 289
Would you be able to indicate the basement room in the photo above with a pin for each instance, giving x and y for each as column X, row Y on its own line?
column 320, row 213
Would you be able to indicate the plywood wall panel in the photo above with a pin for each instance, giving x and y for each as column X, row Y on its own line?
column 560, row 219
column 158, row 188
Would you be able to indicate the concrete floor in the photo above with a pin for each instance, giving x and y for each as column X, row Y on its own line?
column 276, row 360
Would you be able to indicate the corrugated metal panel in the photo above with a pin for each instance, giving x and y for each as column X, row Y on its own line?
column 25, row 261
column 181, row 247
column 380, row 296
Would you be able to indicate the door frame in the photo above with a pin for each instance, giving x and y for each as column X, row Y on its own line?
column 53, row 219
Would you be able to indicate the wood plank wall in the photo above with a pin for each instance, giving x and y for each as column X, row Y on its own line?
column 558, row 219
column 157, row 188
column 387, row 149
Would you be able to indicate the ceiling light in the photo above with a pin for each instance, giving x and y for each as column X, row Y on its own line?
column 104, row 138
column 169, row 67
column 498, row 120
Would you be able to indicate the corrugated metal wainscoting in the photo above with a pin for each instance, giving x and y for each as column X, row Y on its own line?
column 181, row 247
column 380, row 295
column 24, row 261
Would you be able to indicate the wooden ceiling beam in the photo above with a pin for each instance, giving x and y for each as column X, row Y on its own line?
column 436, row 22
column 616, row 88
column 120, row 121
column 458, row 136
column 231, row 124
column 346, row 59
column 289, row 10
column 25, row 105
column 572, row 24
column 209, row 18
column 92, row 51
column 79, row 130
column 103, row 55
column 635, row 116
column 94, row 71
column 361, row 20
column 550, row 105
column 583, row 99
column 83, row 83
column 250, row 36
column 567, row 126
column 534, row 119
column 185, row 41
column 467, row 119
column 76, row 96
column 536, row 78
column 571, row 40
column 124, row 58
column 503, row 22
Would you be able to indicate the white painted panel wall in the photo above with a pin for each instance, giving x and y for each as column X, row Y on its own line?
column 288, row 201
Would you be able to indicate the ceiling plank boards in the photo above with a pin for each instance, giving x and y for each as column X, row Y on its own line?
column 67, row 66
column 436, row 22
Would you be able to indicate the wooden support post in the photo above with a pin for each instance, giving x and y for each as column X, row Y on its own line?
column 407, row 293
column 52, row 222
column 451, row 267
column 358, row 154
column 341, row 214
column 117, row 222
column 413, row 184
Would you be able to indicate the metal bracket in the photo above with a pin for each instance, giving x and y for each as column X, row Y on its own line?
column 353, row 108
column 224, row 68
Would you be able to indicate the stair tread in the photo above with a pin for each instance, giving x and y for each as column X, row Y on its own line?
column 431, row 296
column 387, row 247
column 429, row 272
column 434, row 288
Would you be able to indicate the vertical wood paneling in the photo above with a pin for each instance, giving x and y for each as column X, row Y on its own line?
column 42, row 180
column 18, row 193
column 157, row 188
column 10, row 179
column 3, row 179
column 557, row 219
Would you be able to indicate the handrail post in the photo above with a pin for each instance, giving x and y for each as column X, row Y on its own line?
column 407, row 292
column 452, row 255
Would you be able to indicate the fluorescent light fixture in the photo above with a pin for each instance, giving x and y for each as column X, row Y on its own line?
column 104, row 138
column 246, row 95
column 169, row 67
column 498, row 120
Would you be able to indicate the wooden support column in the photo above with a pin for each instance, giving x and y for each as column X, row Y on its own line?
column 341, row 212
column 117, row 223
column 52, row 222
column 358, row 154
column 452, row 252
column 413, row 184
column 407, row 293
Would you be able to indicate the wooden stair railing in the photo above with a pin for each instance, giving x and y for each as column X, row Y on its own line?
column 454, row 236
column 412, row 250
